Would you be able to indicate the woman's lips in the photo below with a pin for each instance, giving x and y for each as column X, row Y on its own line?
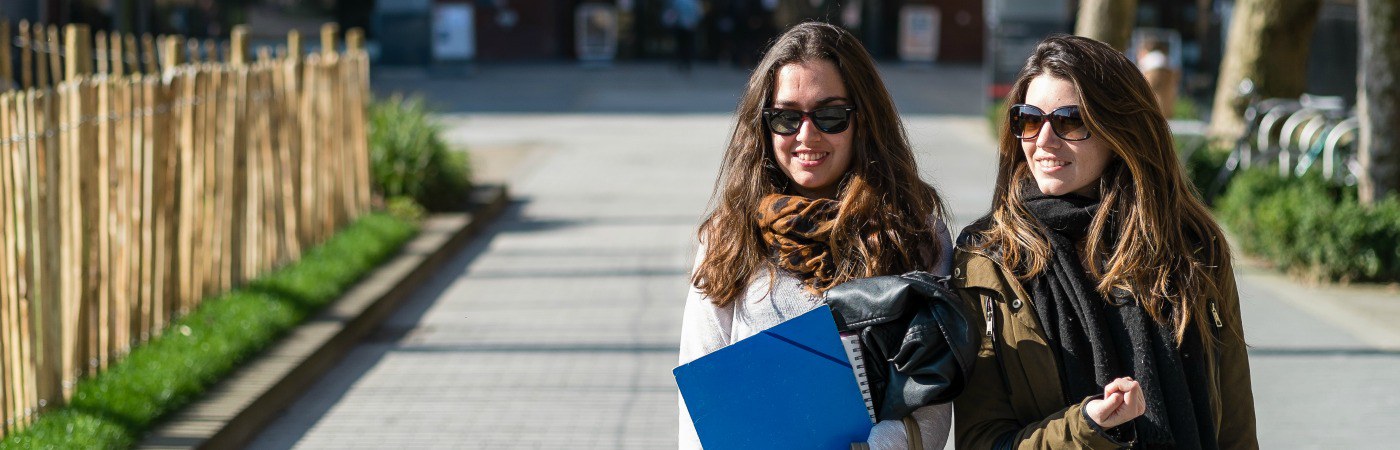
column 810, row 159
column 1050, row 165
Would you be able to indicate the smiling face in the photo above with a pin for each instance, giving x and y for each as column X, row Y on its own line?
column 813, row 160
column 1061, row 167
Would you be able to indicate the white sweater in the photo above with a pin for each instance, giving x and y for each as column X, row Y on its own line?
column 706, row 328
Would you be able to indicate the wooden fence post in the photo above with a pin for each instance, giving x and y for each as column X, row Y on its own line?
column 160, row 145
column 328, row 41
column 39, row 46
column 7, row 79
column 9, row 279
column 26, row 56
column 172, row 53
column 358, row 96
column 243, row 218
column 149, row 57
column 238, row 46
column 54, row 47
column 130, row 60
column 354, row 40
column 100, row 53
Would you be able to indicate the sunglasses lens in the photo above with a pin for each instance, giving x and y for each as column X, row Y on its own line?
column 784, row 121
column 1069, row 124
column 1025, row 121
column 831, row 120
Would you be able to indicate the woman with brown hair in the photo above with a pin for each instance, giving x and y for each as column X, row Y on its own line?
column 1109, row 299
column 818, row 186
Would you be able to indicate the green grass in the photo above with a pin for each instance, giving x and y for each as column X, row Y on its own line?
column 117, row 407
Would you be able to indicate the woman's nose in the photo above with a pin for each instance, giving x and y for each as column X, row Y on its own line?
column 807, row 131
column 1047, row 137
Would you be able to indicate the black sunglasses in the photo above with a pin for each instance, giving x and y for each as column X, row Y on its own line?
column 1026, row 121
column 828, row 119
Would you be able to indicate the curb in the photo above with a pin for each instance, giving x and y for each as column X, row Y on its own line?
column 232, row 412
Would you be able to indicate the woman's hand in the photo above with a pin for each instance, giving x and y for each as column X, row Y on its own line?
column 1122, row 401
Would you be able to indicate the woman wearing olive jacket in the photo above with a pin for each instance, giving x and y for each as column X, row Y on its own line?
column 1110, row 307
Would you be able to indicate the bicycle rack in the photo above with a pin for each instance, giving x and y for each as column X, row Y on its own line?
column 1296, row 134
column 1349, row 127
column 1245, row 146
column 1270, row 128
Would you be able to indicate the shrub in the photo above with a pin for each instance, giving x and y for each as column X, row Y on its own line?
column 1202, row 167
column 409, row 158
column 1310, row 227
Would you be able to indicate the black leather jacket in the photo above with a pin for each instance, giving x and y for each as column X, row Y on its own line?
column 918, row 336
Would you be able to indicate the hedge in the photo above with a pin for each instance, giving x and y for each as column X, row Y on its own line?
column 1310, row 227
column 117, row 407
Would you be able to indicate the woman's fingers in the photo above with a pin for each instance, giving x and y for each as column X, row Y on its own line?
column 1133, row 401
column 1122, row 401
column 1113, row 402
column 1124, row 384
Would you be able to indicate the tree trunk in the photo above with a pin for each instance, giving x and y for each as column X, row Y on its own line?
column 1378, row 99
column 1268, row 44
column 1108, row 21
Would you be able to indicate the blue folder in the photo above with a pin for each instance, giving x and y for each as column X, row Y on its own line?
column 790, row 386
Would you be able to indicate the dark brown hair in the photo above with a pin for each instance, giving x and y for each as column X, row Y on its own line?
column 1168, row 250
column 886, row 216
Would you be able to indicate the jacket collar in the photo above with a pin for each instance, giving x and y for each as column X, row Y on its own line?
column 975, row 270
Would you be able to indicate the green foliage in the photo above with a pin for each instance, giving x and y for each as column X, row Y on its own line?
column 1312, row 228
column 996, row 117
column 405, row 208
column 409, row 158
column 1202, row 166
column 115, row 408
column 1185, row 108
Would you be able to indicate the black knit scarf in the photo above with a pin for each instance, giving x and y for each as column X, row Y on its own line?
column 1097, row 340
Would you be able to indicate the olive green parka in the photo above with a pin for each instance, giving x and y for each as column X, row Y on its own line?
column 1014, row 398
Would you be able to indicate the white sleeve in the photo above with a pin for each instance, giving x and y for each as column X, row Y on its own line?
column 934, row 423
column 704, row 329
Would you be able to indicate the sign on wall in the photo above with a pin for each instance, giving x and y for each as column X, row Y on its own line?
column 454, row 33
column 596, row 32
column 918, row 33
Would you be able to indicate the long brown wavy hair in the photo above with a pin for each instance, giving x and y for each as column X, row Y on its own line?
column 885, row 221
column 1168, row 250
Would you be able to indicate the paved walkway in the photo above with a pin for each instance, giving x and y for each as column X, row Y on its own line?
column 557, row 327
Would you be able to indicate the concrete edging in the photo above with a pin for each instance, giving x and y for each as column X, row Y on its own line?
column 230, row 414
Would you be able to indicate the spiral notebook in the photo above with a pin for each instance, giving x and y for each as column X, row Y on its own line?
column 792, row 386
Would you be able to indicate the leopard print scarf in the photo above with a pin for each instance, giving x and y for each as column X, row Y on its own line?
column 798, row 229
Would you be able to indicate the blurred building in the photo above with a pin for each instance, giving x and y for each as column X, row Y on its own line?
column 996, row 33
column 193, row 18
column 1014, row 26
column 730, row 30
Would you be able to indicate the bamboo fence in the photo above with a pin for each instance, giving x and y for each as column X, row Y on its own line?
column 140, row 175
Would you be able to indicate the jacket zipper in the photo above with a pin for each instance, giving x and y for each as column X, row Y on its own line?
column 989, row 310
column 1214, row 312
column 987, row 313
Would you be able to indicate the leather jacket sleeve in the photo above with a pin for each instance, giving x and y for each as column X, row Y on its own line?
column 918, row 335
